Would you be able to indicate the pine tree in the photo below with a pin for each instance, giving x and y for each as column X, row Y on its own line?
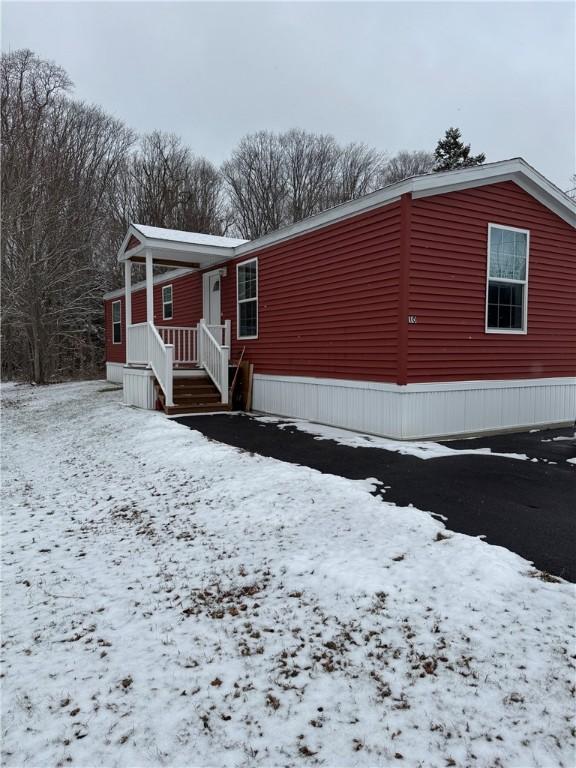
column 452, row 153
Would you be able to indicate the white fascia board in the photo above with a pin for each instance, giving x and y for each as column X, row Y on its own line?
column 166, row 277
column 131, row 232
column 185, row 251
column 516, row 170
column 385, row 196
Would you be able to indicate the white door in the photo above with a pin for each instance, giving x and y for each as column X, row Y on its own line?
column 212, row 314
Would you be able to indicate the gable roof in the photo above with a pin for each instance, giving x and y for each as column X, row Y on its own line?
column 198, row 250
column 193, row 238
column 425, row 185
column 174, row 247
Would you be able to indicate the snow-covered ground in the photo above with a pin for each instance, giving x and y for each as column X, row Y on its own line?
column 170, row 601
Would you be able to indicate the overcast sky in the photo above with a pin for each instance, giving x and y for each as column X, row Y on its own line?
column 393, row 75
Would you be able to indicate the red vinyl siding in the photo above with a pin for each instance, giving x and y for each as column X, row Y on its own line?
column 334, row 302
column 447, row 289
column 327, row 301
column 115, row 353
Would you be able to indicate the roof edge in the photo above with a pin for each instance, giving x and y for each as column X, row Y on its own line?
column 173, row 274
column 424, row 185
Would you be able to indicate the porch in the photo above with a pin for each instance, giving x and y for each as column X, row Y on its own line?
column 182, row 367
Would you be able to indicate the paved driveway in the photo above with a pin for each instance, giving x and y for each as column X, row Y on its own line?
column 528, row 507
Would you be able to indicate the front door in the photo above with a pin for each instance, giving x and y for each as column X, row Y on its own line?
column 211, row 304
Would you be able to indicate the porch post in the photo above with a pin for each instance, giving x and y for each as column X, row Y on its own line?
column 149, row 288
column 128, row 293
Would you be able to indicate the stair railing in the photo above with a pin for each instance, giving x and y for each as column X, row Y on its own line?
column 137, row 344
column 161, row 360
column 183, row 339
column 214, row 358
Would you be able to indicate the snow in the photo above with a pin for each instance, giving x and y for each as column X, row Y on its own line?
column 420, row 450
column 171, row 601
column 194, row 238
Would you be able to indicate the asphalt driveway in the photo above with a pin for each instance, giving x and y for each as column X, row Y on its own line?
column 528, row 507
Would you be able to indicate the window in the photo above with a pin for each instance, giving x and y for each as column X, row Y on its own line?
column 506, row 292
column 167, row 306
column 247, row 294
column 116, row 322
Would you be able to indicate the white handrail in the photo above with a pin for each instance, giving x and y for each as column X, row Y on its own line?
column 183, row 338
column 137, row 343
column 161, row 360
column 214, row 358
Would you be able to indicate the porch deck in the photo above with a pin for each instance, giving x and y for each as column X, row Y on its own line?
column 189, row 365
column 166, row 350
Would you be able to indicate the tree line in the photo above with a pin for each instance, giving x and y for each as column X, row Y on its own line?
column 73, row 178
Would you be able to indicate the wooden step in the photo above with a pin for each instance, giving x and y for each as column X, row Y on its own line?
column 192, row 383
column 193, row 399
column 200, row 388
column 192, row 395
column 198, row 408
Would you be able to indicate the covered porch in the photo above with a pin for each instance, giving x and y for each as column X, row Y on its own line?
column 157, row 352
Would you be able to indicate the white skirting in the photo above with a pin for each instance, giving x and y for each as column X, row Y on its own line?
column 444, row 409
column 114, row 372
column 139, row 387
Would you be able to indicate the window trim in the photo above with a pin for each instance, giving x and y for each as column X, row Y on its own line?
column 164, row 302
column 243, row 301
column 117, row 322
column 514, row 331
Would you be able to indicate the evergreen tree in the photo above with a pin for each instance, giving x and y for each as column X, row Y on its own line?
column 452, row 153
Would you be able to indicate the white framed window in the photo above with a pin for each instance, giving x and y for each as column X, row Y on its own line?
column 247, row 299
column 116, row 322
column 507, row 279
column 167, row 304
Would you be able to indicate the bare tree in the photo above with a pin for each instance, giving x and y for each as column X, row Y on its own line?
column 276, row 179
column 359, row 170
column 406, row 164
column 257, row 184
column 310, row 166
column 164, row 185
column 58, row 159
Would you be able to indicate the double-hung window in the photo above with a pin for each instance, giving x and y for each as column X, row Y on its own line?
column 116, row 322
column 167, row 305
column 247, row 299
column 507, row 288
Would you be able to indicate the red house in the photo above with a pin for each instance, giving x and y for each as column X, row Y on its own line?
column 442, row 305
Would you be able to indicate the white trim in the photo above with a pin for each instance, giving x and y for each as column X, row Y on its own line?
column 117, row 322
column 149, row 286
column 432, row 386
column 516, row 169
column 128, row 293
column 244, row 301
column 166, row 277
column 164, row 302
column 184, row 251
column 509, row 331
column 206, row 294
column 417, row 411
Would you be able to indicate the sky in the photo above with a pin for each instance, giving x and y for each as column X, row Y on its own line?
column 393, row 75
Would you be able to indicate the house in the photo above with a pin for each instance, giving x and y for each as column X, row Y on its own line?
column 441, row 305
